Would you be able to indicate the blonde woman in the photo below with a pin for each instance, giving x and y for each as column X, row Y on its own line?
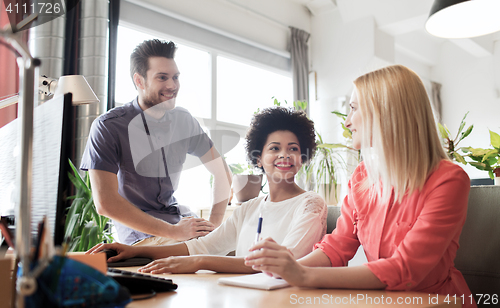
column 406, row 201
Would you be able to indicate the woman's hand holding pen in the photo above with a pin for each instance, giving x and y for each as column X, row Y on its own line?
column 276, row 261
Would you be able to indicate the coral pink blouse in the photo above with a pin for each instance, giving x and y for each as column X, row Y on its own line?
column 409, row 245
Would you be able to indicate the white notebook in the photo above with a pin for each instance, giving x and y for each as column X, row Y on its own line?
column 255, row 281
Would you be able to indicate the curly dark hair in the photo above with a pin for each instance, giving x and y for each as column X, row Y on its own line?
column 277, row 118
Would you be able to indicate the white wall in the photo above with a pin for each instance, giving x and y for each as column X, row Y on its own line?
column 339, row 53
column 342, row 51
column 470, row 84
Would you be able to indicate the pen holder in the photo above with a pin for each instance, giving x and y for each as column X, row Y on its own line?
column 69, row 283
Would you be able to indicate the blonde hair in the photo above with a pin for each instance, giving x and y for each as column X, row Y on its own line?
column 400, row 143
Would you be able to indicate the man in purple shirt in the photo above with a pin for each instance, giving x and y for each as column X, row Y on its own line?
column 135, row 154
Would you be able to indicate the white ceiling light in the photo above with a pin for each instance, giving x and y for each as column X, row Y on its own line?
column 463, row 18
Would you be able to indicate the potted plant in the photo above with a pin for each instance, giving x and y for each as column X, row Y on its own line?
column 84, row 227
column 487, row 159
column 451, row 144
column 321, row 173
column 330, row 160
column 247, row 182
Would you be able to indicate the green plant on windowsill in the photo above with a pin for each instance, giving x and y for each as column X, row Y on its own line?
column 486, row 159
column 451, row 145
column 84, row 226
column 322, row 171
column 240, row 168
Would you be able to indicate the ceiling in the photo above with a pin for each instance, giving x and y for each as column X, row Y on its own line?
column 404, row 20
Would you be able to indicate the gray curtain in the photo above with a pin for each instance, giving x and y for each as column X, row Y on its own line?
column 300, row 64
column 436, row 100
column 92, row 63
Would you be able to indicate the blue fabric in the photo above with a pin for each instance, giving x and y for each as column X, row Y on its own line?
column 148, row 167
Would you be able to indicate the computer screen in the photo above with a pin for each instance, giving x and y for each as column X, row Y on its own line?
column 52, row 133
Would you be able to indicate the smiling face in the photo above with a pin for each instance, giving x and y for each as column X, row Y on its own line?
column 281, row 156
column 354, row 121
column 161, row 84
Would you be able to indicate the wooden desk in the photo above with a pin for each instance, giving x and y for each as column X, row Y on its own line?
column 202, row 290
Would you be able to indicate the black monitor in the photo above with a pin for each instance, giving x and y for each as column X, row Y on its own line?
column 52, row 134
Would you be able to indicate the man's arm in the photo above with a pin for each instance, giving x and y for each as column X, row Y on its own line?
column 221, row 187
column 111, row 204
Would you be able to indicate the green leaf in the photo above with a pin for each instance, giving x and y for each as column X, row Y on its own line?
column 81, row 183
column 478, row 152
column 495, row 140
column 459, row 158
column 490, row 153
column 320, row 139
column 236, row 168
column 462, row 124
column 73, row 211
column 465, row 149
column 70, row 226
column 84, row 239
column 300, row 105
column 332, row 145
column 103, row 220
column 480, row 166
column 94, row 237
column 443, row 131
column 492, row 161
column 347, row 132
column 339, row 114
column 86, row 213
column 466, row 133
column 73, row 246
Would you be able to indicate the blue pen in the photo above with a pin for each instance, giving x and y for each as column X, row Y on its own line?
column 259, row 228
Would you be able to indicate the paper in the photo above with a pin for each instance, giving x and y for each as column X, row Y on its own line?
column 255, row 281
column 97, row 261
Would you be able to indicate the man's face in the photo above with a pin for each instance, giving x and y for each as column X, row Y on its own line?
column 161, row 84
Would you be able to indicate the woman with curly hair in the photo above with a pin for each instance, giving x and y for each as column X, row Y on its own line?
column 278, row 142
column 406, row 202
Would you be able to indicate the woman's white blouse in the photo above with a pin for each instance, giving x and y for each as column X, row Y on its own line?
column 297, row 223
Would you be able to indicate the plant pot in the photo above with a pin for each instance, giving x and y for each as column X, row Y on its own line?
column 496, row 172
column 246, row 186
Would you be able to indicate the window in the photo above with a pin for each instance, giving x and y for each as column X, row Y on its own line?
column 225, row 103
column 194, row 65
column 243, row 88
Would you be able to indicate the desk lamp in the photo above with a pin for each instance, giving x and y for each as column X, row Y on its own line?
column 76, row 84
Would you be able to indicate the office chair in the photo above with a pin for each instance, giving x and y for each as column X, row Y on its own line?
column 478, row 257
column 331, row 219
